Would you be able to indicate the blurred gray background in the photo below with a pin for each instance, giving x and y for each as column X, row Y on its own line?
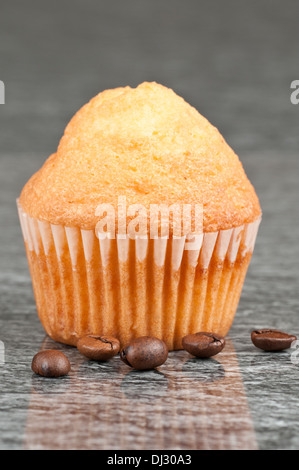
column 234, row 60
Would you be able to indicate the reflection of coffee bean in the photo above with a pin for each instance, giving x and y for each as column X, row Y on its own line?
column 98, row 348
column 50, row 388
column 272, row 340
column 207, row 372
column 261, row 362
column 145, row 352
column 144, row 386
column 50, row 363
column 203, row 344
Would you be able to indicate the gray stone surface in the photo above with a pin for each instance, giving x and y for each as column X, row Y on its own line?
column 234, row 61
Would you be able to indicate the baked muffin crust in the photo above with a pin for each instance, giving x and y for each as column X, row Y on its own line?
column 146, row 144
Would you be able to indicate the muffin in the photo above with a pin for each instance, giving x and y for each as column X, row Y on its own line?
column 148, row 147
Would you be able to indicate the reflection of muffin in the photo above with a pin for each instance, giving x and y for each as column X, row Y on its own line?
column 149, row 146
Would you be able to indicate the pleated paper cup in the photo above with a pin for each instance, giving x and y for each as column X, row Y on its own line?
column 129, row 288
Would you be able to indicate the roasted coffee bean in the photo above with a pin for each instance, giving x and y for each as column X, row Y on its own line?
column 203, row 344
column 50, row 363
column 272, row 340
column 98, row 348
column 145, row 352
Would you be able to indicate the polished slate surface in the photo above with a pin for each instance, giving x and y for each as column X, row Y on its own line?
column 234, row 61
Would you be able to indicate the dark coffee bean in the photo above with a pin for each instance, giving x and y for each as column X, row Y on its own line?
column 272, row 340
column 98, row 348
column 145, row 352
column 50, row 363
column 203, row 344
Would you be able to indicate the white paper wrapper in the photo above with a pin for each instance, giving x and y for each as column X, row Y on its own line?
column 129, row 288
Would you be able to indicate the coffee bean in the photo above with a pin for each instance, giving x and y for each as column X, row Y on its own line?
column 98, row 348
column 272, row 340
column 203, row 344
column 145, row 352
column 50, row 363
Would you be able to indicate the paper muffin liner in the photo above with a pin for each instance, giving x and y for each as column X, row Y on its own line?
column 129, row 288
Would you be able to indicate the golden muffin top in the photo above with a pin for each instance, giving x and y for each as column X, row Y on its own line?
column 146, row 144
